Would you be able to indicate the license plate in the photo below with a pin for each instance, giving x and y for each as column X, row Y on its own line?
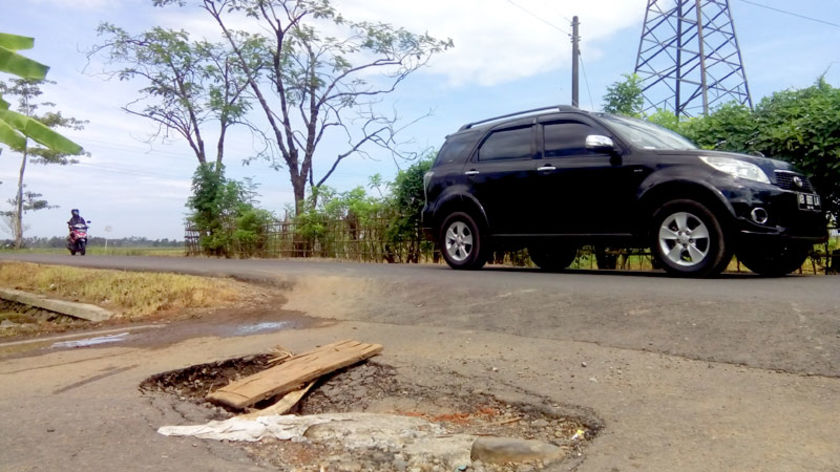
column 808, row 201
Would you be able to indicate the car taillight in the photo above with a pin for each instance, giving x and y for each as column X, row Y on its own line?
column 427, row 178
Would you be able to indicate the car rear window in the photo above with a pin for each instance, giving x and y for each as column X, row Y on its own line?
column 456, row 148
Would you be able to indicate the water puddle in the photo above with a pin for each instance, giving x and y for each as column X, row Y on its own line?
column 245, row 330
column 114, row 338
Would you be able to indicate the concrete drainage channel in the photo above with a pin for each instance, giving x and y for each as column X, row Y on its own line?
column 368, row 418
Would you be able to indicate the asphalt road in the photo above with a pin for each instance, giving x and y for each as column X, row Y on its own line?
column 789, row 324
column 736, row 373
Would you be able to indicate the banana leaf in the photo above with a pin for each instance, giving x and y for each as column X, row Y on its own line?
column 35, row 130
column 21, row 66
column 15, row 42
column 10, row 137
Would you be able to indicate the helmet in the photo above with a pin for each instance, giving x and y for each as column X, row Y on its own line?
column 74, row 212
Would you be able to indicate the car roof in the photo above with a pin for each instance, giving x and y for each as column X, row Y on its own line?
column 511, row 117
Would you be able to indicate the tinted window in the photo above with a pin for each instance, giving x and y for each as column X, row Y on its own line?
column 456, row 148
column 507, row 144
column 566, row 139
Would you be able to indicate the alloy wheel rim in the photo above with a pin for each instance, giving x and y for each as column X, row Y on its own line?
column 684, row 239
column 459, row 241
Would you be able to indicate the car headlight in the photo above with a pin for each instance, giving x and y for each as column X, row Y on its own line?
column 736, row 168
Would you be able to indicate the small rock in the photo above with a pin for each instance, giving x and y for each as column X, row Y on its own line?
column 540, row 423
column 583, row 364
column 8, row 324
column 503, row 450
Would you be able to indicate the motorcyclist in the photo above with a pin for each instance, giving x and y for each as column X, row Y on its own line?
column 75, row 218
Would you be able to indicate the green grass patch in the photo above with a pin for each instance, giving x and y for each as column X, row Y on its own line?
column 129, row 294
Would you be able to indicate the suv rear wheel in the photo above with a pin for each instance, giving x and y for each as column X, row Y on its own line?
column 688, row 240
column 461, row 242
column 552, row 258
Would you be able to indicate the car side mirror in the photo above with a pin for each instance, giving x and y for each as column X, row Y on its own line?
column 600, row 143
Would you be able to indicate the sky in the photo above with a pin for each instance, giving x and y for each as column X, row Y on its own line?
column 509, row 55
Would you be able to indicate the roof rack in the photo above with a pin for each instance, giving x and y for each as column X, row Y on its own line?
column 509, row 115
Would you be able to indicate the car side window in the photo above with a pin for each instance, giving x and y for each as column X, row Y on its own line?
column 566, row 138
column 512, row 143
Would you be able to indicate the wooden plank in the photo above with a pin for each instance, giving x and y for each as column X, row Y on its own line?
column 282, row 406
column 293, row 373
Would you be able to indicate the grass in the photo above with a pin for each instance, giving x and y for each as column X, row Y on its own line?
column 131, row 295
column 643, row 263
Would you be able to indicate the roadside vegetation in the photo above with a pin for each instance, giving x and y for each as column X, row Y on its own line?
column 132, row 295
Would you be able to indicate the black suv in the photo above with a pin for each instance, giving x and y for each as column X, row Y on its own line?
column 552, row 179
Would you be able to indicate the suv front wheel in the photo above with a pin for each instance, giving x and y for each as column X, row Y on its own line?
column 688, row 240
column 461, row 242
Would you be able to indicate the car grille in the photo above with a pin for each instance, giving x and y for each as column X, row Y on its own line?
column 785, row 181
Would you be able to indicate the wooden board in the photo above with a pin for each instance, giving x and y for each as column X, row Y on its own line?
column 282, row 406
column 293, row 373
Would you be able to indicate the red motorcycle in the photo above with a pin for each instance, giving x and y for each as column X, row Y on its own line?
column 77, row 240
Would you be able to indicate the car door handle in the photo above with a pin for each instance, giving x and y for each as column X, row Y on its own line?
column 546, row 169
column 472, row 172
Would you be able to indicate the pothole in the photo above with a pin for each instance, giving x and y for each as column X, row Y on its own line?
column 373, row 388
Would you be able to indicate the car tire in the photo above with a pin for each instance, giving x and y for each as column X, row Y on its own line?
column 773, row 260
column 461, row 242
column 688, row 240
column 552, row 258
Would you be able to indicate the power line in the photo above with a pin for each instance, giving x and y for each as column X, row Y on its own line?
column 586, row 81
column 786, row 12
column 534, row 15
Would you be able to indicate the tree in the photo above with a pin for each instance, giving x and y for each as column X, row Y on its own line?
column 407, row 199
column 731, row 127
column 225, row 215
column 15, row 127
column 187, row 84
column 27, row 91
column 319, row 72
column 624, row 97
column 23, row 202
column 803, row 127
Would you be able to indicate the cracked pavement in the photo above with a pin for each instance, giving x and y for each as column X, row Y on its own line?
column 738, row 373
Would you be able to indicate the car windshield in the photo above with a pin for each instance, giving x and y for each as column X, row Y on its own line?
column 646, row 135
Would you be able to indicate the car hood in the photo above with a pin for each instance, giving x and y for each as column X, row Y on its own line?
column 767, row 164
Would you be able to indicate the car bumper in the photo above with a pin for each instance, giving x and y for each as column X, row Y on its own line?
column 789, row 215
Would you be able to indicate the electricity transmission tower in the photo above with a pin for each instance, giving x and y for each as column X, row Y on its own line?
column 688, row 59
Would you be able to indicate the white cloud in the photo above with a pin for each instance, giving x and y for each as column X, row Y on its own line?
column 496, row 41
column 499, row 41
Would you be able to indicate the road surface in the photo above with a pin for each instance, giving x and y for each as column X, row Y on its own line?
column 733, row 373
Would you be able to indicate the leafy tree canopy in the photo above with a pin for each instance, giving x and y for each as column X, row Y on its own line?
column 625, row 97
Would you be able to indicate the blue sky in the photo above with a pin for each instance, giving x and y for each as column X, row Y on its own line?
column 509, row 55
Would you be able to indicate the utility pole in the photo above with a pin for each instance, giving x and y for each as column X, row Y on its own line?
column 575, row 60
